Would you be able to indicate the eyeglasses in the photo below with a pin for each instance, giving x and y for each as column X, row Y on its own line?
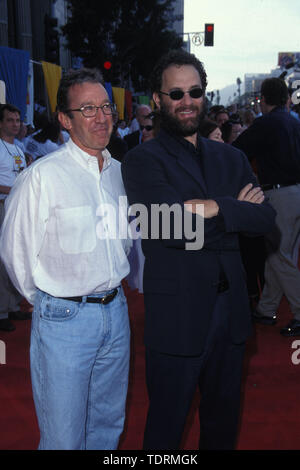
column 148, row 128
column 177, row 95
column 90, row 110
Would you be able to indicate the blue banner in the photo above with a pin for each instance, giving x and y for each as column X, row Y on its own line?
column 108, row 88
column 14, row 67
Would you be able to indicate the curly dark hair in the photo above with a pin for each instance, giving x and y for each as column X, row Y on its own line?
column 175, row 57
column 275, row 91
column 75, row 77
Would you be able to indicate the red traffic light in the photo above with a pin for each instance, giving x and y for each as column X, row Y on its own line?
column 209, row 34
column 107, row 65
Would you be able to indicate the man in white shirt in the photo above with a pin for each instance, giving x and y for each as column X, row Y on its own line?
column 12, row 162
column 67, row 256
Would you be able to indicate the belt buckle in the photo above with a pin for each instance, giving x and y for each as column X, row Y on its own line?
column 106, row 299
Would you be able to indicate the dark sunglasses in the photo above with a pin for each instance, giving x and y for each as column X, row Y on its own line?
column 148, row 128
column 177, row 95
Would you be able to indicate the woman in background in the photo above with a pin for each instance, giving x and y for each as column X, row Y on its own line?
column 210, row 130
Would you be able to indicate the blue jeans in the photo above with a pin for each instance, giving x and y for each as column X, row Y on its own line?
column 79, row 356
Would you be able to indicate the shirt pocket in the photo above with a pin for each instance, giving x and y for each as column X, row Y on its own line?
column 76, row 230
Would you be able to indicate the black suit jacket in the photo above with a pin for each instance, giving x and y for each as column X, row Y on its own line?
column 180, row 286
column 132, row 140
column 273, row 141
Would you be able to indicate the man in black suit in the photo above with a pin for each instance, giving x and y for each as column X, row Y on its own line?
column 135, row 138
column 196, row 304
column 273, row 140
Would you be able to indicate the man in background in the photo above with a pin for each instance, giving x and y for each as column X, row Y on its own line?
column 12, row 162
column 135, row 137
column 273, row 140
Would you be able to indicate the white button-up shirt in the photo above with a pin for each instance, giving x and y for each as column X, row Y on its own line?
column 65, row 229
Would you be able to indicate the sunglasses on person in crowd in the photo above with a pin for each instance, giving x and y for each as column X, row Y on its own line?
column 148, row 128
column 177, row 95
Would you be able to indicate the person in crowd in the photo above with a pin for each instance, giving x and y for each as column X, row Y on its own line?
column 20, row 142
column 12, row 162
column 147, row 128
column 122, row 128
column 136, row 257
column 21, row 136
column 213, row 110
column 210, row 130
column 231, row 130
column 69, row 262
column 197, row 316
column 221, row 117
column 232, row 110
column 135, row 138
column 274, row 141
column 248, row 118
column 290, row 107
column 117, row 146
column 45, row 140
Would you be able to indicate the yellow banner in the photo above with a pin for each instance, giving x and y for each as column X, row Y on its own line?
column 52, row 74
column 119, row 99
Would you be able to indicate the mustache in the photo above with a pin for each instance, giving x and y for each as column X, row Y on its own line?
column 186, row 108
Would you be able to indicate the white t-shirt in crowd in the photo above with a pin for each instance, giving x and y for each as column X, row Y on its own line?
column 12, row 162
column 39, row 149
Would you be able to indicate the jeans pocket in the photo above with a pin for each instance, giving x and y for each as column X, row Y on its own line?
column 57, row 310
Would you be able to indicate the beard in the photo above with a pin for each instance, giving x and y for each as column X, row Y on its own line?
column 181, row 128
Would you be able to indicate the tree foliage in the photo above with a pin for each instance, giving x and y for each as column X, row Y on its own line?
column 131, row 34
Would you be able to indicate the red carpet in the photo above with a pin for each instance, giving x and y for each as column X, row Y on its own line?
column 270, row 417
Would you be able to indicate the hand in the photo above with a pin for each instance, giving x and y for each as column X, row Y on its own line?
column 250, row 194
column 211, row 208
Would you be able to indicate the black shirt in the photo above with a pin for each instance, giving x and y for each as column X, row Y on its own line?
column 273, row 140
column 195, row 152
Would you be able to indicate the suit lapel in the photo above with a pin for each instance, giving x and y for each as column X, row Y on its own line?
column 183, row 158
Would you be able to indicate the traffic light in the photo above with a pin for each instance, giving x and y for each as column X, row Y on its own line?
column 209, row 34
column 111, row 70
column 107, row 65
column 51, row 40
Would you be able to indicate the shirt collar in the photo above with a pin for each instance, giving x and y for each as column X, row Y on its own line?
column 86, row 160
column 187, row 145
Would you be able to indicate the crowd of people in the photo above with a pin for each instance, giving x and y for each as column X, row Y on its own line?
column 225, row 125
column 21, row 145
column 236, row 173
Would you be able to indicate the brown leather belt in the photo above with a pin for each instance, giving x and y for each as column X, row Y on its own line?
column 106, row 299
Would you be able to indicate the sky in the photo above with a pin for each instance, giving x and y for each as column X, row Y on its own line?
column 248, row 34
